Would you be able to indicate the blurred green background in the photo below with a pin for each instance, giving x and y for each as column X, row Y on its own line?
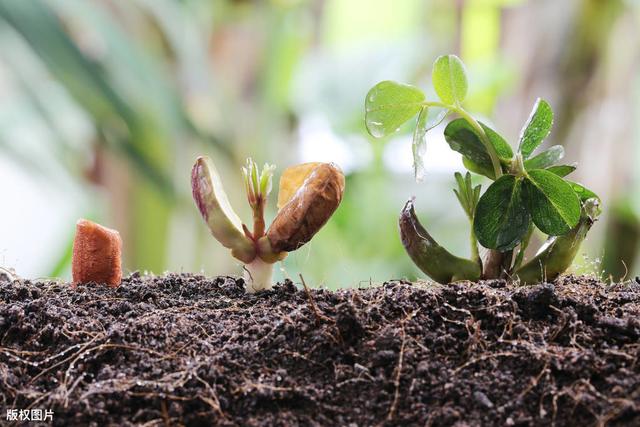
column 105, row 104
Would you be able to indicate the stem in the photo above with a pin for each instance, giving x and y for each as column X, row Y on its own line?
column 258, row 219
column 495, row 259
column 495, row 160
column 520, row 164
column 493, row 263
column 475, row 255
column 258, row 275
column 523, row 247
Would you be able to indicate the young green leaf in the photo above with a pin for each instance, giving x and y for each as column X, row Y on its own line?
column 479, row 169
column 562, row 170
column 501, row 218
column 553, row 204
column 449, row 79
column 582, row 192
column 426, row 122
column 388, row 105
column 536, row 129
column 464, row 139
column 545, row 159
column 467, row 194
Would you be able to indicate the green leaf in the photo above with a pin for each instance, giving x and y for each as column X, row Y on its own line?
column 426, row 122
column 462, row 192
column 388, row 105
column 553, row 203
column 449, row 79
column 582, row 192
column 464, row 139
column 476, row 168
column 545, row 159
column 466, row 193
column 561, row 170
column 501, row 218
column 501, row 146
column 536, row 129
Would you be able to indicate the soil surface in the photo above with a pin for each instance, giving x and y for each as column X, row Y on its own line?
column 191, row 350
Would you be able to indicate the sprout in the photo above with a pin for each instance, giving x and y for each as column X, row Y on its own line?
column 529, row 189
column 309, row 194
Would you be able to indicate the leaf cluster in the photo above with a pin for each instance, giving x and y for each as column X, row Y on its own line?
column 529, row 186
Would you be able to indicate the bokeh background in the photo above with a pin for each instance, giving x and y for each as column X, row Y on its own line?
column 104, row 105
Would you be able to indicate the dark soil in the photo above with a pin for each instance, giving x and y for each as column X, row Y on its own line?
column 189, row 350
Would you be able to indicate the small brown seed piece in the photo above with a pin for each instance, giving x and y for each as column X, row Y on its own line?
column 309, row 209
column 97, row 254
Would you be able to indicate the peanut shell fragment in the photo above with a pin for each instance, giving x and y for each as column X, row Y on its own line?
column 308, row 204
column 97, row 253
column 292, row 179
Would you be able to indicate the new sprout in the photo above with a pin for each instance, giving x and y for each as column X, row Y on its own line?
column 309, row 193
column 528, row 191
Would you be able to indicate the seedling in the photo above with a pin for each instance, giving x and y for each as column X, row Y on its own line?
column 528, row 191
column 309, row 194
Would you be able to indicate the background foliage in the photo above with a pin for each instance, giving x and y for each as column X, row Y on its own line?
column 106, row 103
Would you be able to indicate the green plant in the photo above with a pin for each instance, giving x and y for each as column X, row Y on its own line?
column 309, row 194
column 527, row 191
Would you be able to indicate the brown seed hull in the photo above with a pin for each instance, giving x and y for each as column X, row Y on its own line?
column 309, row 209
column 96, row 255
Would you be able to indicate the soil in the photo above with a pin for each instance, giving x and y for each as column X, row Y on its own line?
column 191, row 350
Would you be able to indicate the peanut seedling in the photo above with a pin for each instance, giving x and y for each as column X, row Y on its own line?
column 309, row 194
column 528, row 191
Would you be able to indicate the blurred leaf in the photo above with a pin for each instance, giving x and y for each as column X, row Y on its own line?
column 622, row 241
column 84, row 79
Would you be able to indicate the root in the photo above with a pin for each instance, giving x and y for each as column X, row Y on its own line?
column 396, row 382
column 312, row 303
column 483, row 358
